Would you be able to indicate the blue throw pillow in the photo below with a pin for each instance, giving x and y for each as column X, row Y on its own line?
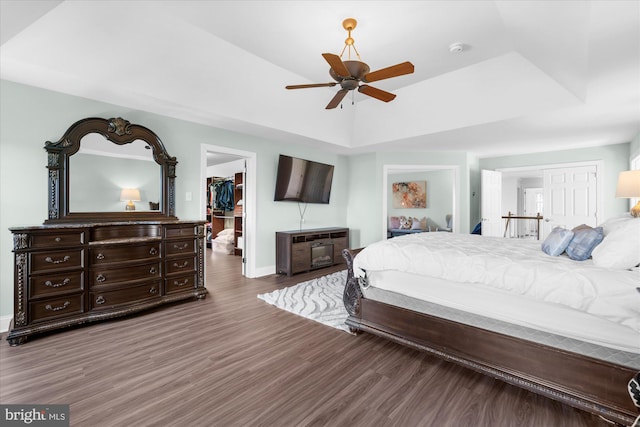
column 557, row 241
column 585, row 238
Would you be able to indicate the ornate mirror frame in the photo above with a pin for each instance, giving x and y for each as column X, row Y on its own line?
column 119, row 131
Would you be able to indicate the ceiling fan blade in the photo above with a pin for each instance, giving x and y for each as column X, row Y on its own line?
column 336, row 64
column 387, row 73
column 337, row 99
column 376, row 93
column 311, row 85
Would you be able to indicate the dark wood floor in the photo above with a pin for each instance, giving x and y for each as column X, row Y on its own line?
column 233, row 360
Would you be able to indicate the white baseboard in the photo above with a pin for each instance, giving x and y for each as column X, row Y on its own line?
column 265, row 271
column 5, row 321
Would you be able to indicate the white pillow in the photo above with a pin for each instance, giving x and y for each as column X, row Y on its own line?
column 620, row 249
column 225, row 232
column 616, row 222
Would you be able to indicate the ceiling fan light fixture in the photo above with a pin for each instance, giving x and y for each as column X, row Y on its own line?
column 350, row 74
column 349, row 24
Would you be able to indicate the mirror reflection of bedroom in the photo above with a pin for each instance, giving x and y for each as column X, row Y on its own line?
column 419, row 199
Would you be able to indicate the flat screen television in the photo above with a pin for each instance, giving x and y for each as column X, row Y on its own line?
column 301, row 180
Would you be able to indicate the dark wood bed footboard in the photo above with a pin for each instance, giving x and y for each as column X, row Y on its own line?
column 589, row 384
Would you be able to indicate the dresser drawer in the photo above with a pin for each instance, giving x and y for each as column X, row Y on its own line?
column 180, row 247
column 53, row 240
column 52, row 308
column 180, row 265
column 127, row 295
column 110, row 254
column 125, row 232
column 52, row 284
column 181, row 283
column 181, row 231
column 108, row 276
column 56, row 260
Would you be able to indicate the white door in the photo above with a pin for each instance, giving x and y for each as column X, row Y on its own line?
column 491, row 203
column 570, row 197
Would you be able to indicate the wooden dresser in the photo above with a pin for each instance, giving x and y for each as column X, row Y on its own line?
column 93, row 259
column 68, row 274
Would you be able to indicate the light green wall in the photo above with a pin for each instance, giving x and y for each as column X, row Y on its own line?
column 634, row 147
column 365, row 200
column 615, row 158
column 30, row 116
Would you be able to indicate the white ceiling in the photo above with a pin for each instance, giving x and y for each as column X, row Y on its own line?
column 534, row 76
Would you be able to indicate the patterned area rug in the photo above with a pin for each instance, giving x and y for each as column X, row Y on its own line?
column 318, row 299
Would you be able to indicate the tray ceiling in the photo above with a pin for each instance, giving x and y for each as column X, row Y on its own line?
column 534, row 75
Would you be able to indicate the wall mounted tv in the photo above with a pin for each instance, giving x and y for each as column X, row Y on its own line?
column 300, row 180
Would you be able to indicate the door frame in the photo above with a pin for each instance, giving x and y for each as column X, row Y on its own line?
column 599, row 164
column 395, row 169
column 249, row 201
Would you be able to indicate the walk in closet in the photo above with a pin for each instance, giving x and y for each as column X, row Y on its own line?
column 224, row 213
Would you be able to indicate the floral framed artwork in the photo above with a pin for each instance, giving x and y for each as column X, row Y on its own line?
column 409, row 194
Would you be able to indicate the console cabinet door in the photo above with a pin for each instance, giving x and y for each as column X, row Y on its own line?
column 300, row 257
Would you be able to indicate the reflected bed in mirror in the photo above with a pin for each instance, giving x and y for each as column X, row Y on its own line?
column 96, row 163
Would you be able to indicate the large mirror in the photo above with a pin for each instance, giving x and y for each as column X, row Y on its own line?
column 109, row 170
column 101, row 171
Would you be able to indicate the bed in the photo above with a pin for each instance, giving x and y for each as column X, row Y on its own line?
column 566, row 329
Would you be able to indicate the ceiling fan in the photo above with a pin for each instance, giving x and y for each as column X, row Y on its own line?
column 349, row 74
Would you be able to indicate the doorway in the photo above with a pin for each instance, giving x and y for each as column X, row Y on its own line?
column 388, row 171
column 211, row 154
column 533, row 206
column 572, row 195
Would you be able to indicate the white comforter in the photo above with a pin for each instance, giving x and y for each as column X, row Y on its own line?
column 513, row 265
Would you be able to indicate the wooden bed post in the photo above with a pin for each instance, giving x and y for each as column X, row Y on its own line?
column 352, row 293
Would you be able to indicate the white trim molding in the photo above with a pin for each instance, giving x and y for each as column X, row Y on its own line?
column 250, row 199
column 5, row 321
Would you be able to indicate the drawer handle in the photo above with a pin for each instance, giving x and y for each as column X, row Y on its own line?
column 183, row 265
column 153, row 290
column 180, row 247
column 100, row 278
column 57, row 239
column 100, row 300
column 153, row 251
column 57, row 285
column 184, row 282
column 58, row 308
column 152, row 270
column 57, row 261
column 100, row 256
